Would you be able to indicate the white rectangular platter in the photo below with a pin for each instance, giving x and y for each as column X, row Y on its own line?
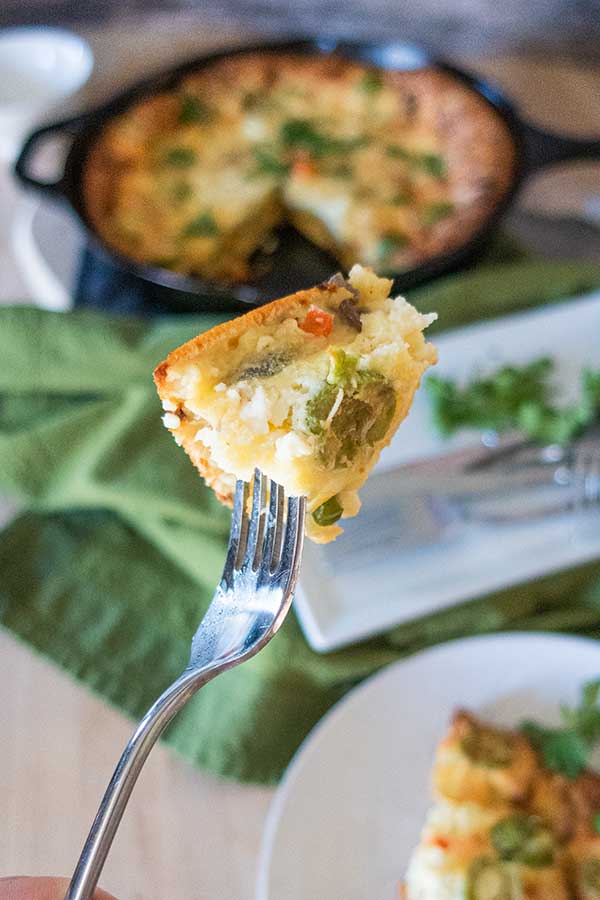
column 373, row 577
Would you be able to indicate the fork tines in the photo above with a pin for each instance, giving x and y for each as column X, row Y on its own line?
column 266, row 532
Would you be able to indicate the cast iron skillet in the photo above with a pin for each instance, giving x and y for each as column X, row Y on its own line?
column 297, row 263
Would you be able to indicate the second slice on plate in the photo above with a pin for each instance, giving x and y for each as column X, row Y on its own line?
column 505, row 826
column 308, row 389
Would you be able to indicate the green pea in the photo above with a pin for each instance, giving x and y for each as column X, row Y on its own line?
column 328, row 513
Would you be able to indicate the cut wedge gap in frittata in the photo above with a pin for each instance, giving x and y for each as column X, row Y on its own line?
column 308, row 389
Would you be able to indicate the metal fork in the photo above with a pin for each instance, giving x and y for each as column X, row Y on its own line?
column 586, row 478
column 249, row 606
column 550, row 480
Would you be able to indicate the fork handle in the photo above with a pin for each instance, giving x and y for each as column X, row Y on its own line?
column 99, row 840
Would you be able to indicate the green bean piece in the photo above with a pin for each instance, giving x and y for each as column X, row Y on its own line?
column 328, row 513
column 524, row 839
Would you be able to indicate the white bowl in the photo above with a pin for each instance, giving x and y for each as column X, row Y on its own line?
column 39, row 67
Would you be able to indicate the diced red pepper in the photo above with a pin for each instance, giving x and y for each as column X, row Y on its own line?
column 441, row 842
column 317, row 322
column 304, row 168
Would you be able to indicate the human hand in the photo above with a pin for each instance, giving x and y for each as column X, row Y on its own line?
column 23, row 888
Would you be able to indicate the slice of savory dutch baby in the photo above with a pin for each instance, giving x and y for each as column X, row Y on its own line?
column 308, row 389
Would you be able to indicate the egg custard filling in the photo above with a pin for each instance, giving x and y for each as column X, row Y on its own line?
column 308, row 389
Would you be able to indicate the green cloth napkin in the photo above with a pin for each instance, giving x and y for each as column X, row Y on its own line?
column 118, row 549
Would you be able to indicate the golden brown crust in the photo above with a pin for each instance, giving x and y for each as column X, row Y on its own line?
column 568, row 805
column 261, row 315
column 461, row 778
column 222, row 484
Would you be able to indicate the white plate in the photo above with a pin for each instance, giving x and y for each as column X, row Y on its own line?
column 39, row 67
column 355, row 588
column 350, row 807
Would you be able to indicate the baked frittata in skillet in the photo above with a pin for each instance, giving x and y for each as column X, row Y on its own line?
column 385, row 168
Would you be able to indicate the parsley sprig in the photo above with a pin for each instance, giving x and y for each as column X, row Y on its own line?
column 303, row 134
column 515, row 397
column 567, row 749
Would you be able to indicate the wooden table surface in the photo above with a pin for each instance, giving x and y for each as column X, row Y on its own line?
column 186, row 835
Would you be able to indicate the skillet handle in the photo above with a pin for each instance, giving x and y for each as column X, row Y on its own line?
column 543, row 148
column 56, row 188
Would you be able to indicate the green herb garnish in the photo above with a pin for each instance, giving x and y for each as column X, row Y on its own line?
column 432, row 163
column 268, row 163
column 193, row 110
column 371, row 82
column 563, row 750
column 596, row 822
column 302, row 134
column 203, row 225
column 328, row 513
column 515, row 397
column 395, row 151
column 435, row 212
column 389, row 243
column 402, row 198
column 567, row 749
column 180, row 157
column 181, row 191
